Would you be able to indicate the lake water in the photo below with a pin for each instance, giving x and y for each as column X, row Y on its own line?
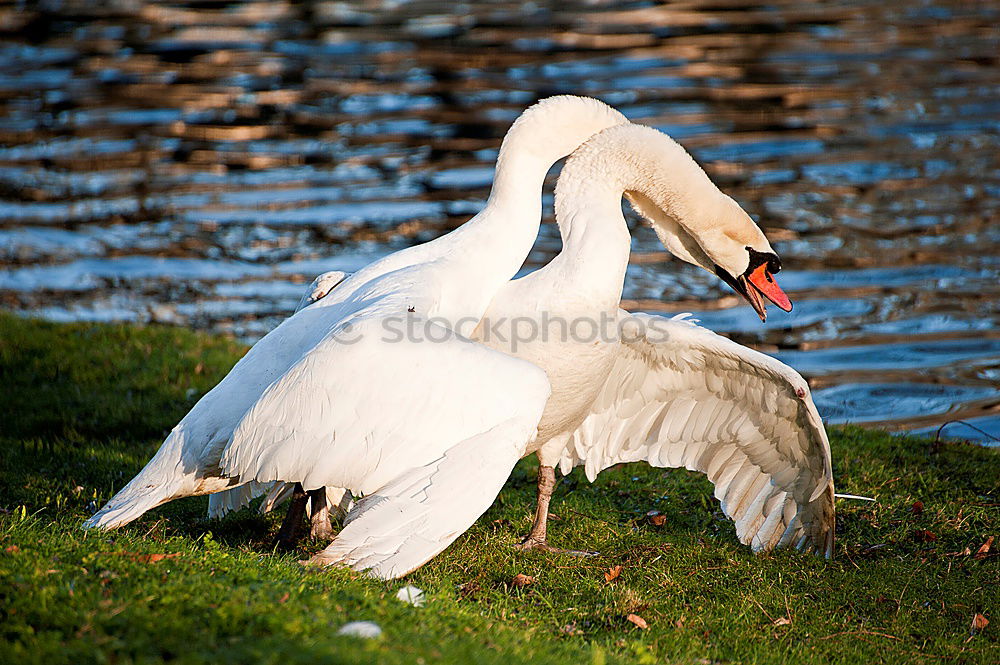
column 196, row 163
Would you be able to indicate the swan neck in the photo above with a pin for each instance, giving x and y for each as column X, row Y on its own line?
column 543, row 134
column 596, row 240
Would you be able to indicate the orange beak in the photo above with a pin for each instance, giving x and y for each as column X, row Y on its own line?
column 764, row 282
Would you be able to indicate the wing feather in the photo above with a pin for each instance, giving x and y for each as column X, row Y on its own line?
column 413, row 517
column 682, row 396
column 427, row 430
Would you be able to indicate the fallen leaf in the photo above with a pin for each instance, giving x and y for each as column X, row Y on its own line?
column 152, row 558
column 12, row 549
column 522, row 580
column 284, row 598
column 657, row 520
column 924, row 536
column 469, row 589
column 985, row 549
column 638, row 620
column 571, row 629
column 679, row 623
column 979, row 622
column 781, row 621
column 917, row 508
column 612, row 573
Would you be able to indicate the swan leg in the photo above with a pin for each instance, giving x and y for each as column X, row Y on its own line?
column 319, row 515
column 288, row 533
column 536, row 538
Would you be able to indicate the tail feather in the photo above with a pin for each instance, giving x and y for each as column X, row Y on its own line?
column 161, row 480
column 277, row 494
column 338, row 500
column 130, row 503
column 231, row 500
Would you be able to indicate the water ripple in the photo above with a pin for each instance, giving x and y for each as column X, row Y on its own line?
column 196, row 165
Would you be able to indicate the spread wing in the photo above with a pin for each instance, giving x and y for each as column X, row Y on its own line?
column 384, row 414
column 681, row 396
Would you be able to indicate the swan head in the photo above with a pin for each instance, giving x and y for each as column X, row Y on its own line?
column 721, row 237
column 694, row 220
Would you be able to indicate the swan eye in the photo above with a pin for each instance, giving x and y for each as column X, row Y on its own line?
column 758, row 259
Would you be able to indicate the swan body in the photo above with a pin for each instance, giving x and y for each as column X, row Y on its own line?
column 655, row 389
column 325, row 400
column 322, row 400
column 337, row 499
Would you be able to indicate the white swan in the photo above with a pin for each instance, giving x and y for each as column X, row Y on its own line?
column 295, row 430
column 325, row 400
column 669, row 392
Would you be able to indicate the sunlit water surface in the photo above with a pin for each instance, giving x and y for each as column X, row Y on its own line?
column 195, row 163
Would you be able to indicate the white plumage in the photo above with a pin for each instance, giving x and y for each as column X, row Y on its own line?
column 337, row 499
column 681, row 396
column 326, row 399
column 428, row 428
column 666, row 391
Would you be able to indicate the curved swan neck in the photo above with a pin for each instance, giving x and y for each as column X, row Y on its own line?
column 631, row 158
column 543, row 134
column 640, row 159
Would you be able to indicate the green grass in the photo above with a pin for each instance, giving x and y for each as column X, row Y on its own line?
column 84, row 406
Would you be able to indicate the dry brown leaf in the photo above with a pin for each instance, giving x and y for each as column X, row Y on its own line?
column 638, row 620
column 781, row 621
column 571, row 629
column 917, row 507
column 657, row 520
column 924, row 536
column 522, row 580
column 151, row 558
column 469, row 589
column 612, row 573
column 985, row 549
column 979, row 622
column 284, row 598
column 12, row 549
